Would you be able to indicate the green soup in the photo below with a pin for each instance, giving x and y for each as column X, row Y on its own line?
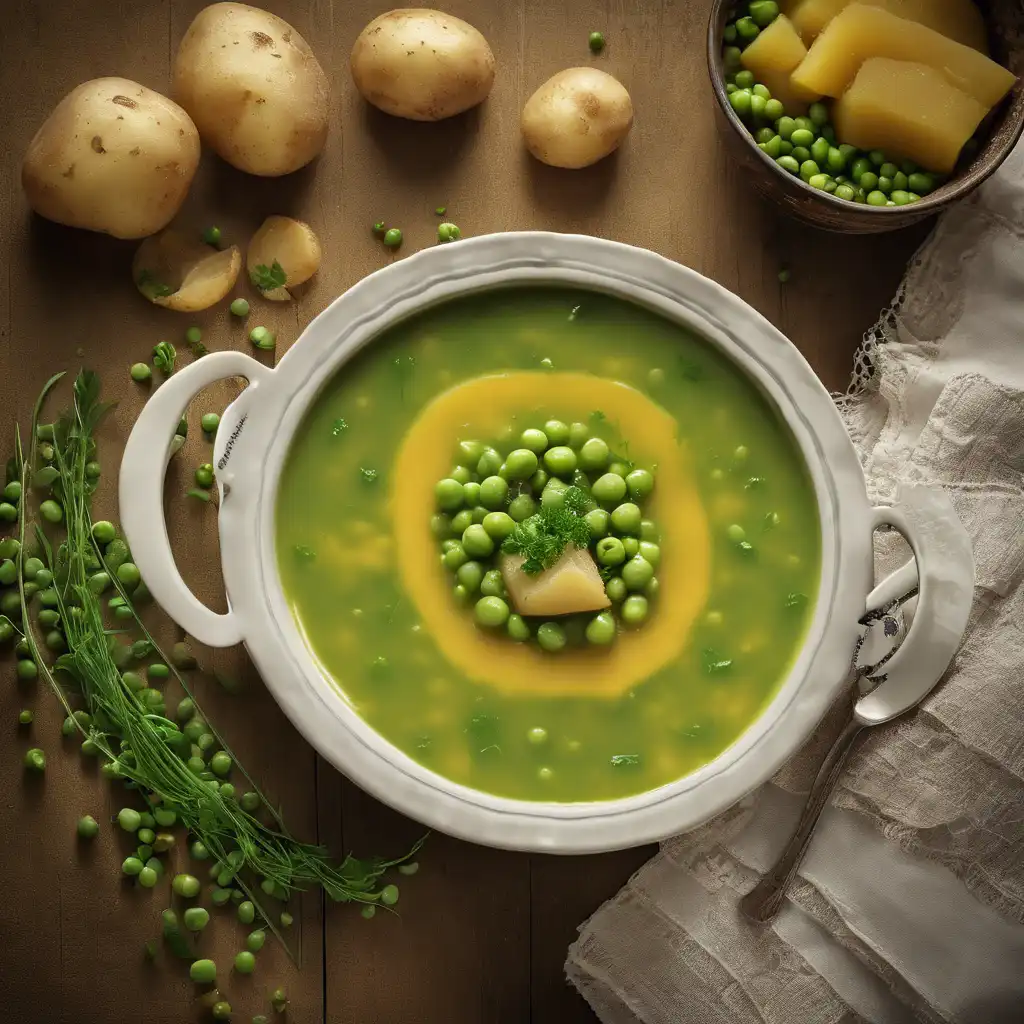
column 335, row 541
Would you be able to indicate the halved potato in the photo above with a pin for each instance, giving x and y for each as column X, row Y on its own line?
column 282, row 254
column 180, row 272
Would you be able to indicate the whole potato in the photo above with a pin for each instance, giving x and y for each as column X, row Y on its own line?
column 422, row 65
column 254, row 89
column 114, row 157
column 576, row 118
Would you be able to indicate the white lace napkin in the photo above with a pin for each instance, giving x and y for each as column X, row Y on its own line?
column 910, row 904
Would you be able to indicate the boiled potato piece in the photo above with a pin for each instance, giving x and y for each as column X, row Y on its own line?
column 291, row 245
column 113, row 157
column 254, row 89
column 421, row 64
column 910, row 111
column 576, row 118
column 773, row 57
column 571, row 585
column 958, row 19
column 860, row 32
column 178, row 271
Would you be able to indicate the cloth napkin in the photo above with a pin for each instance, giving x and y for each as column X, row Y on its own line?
column 910, row 903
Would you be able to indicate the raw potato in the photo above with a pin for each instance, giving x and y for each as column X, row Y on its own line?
column 289, row 243
column 180, row 272
column 254, row 89
column 113, row 157
column 576, row 118
column 421, row 64
column 571, row 585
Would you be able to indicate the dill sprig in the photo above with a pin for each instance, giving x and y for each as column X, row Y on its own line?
column 148, row 750
column 543, row 537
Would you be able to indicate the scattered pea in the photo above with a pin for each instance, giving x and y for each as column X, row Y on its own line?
column 393, row 238
column 203, row 972
column 88, row 827
column 239, row 308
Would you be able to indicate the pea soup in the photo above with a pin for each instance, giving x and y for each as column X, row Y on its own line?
column 356, row 523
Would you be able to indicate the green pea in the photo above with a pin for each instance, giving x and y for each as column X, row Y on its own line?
column 534, row 440
column 520, row 464
column 239, row 308
column 203, row 972
column 884, row 184
column 493, row 584
column 731, row 58
column 553, row 495
column 758, row 105
column 763, row 12
column 802, row 137
column 744, row 79
column 900, row 197
column 877, row 198
column 476, row 542
column 740, row 102
column 634, row 609
column 493, row 492
column 747, row 29
column 550, row 636
column 820, row 151
column 557, row 432
column 877, row 157
column 868, row 181
column 560, row 460
column 10, row 603
column 455, row 555
column 393, row 238
column 640, row 483
column 539, row 480
column 461, row 520
column 498, row 525
column 846, row 192
column 51, row 511
column 637, row 573
column 594, row 455
column 196, row 918
column 818, row 181
column 921, row 182
column 900, row 182
column 220, row 897
column 773, row 147
column 609, row 489
column 861, row 166
column 128, row 575
column 8, row 572
column 517, row 628
column 12, row 492
column 9, row 547
column 808, row 169
column 471, row 493
column 186, row 886
column 626, row 518
column 489, row 463
column 462, row 473
column 762, row 91
column 491, row 612
column 470, row 575
column 522, row 507
column 165, row 817
column 131, row 866
column 610, row 551
column 615, row 589
column 651, row 552
column 470, row 451
column 597, row 522
column 448, row 494
column 774, row 110
column 789, row 163
column 246, row 912
column 785, row 126
column 601, row 629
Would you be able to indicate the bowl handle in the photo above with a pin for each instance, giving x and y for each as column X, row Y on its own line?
column 943, row 567
column 141, row 488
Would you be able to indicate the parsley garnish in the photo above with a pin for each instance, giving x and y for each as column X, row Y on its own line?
column 338, row 427
column 796, row 600
column 618, row 760
column 164, row 354
column 715, row 662
column 268, row 278
column 369, row 475
column 542, row 538
column 307, row 554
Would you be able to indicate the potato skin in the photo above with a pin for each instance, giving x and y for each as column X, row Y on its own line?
column 113, row 157
column 576, row 118
column 254, row 88
column 422, row 65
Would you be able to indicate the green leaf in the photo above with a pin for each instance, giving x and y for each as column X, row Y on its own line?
column 266, row 279
column 369, row 475
column 151, row 287
column 620, row 760
column 338, row 427
column 715, row 662
column 164, row 355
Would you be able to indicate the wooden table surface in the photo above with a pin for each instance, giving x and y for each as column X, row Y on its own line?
column 482, row 934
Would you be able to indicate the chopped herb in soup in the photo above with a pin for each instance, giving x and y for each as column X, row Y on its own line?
column 699, row 620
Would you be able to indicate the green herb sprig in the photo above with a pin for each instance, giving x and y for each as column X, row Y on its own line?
column 266, row 279
column 543, row 537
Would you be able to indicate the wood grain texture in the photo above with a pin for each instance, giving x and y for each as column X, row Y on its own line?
column 482, row 934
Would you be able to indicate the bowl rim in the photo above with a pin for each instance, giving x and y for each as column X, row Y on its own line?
column 317, row 706
column 958, row 187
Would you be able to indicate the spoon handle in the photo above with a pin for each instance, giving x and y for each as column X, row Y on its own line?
column 763, row 902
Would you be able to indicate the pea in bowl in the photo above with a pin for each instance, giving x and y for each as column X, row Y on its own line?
column 544, row 540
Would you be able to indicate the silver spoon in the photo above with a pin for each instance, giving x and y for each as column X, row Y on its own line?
column 902, row 680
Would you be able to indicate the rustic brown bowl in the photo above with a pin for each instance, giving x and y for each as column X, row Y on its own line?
column 999, row 134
